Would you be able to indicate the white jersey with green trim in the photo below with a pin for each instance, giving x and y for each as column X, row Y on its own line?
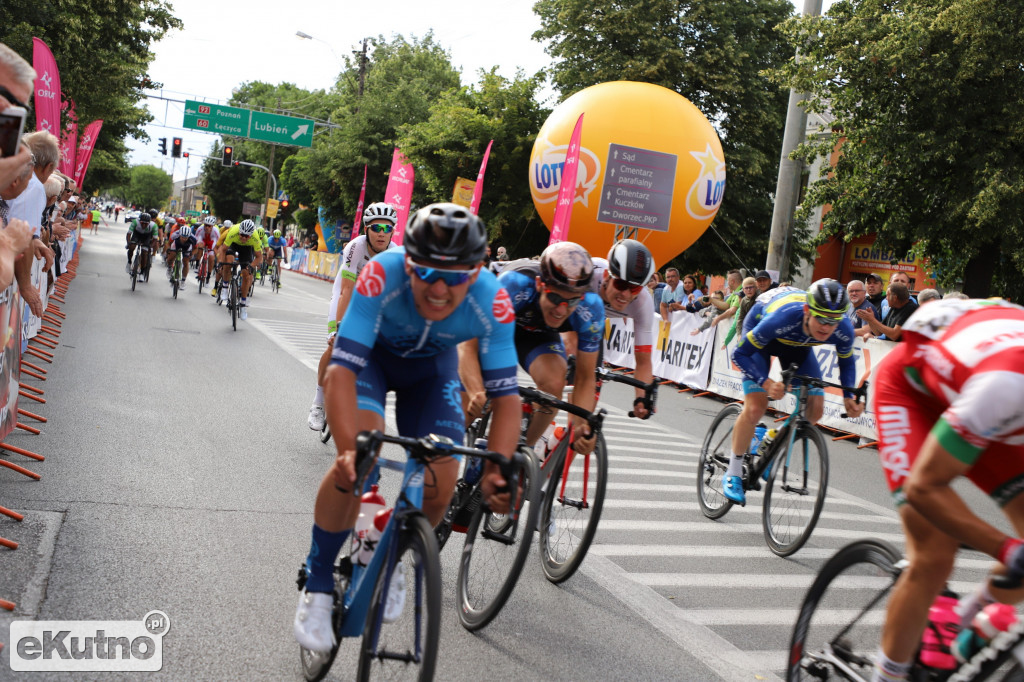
column 355, row 255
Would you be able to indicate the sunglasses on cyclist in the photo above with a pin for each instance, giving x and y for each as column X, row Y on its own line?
column 827, row 320
column 452, row 278
column 381, row 227
column 9, row 96
column 623, row 285
column 557, row 299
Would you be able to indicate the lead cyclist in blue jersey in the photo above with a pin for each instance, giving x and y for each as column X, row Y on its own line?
column 549, row 296
column 410, row 309
column 786, row 323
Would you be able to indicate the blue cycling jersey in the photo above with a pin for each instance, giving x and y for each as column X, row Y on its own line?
column 587, row 320
column 382, row 314
column 277, row 242
column 775, row 326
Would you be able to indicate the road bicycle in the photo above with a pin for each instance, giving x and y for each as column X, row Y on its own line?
column 275, row 277
column 234, row 285
column 137, row 270
column 263, row 272
column 837, row 630
column 176, row 274
column 202, row 272
column 406, row 554
column 794, row 469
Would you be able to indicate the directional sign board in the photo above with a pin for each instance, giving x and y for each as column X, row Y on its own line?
column 256, row 125
column 637, row 188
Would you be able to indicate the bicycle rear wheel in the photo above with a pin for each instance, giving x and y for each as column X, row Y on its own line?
column 233, row 303
column 714, row 460
column 406, row 646
column 572, row 507
column 837, row 627
column 495, row 551
column 795, row 492
column 135, row 269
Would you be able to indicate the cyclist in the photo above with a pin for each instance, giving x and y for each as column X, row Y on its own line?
column 411, row 307
column 276, row 251
column 549, row 296
column 785, row 323
column 947, row 403
column 182, row 240
column 263, row 247
column 240, row 240
column 380, row 219
column 141, row 231
column 206, row 236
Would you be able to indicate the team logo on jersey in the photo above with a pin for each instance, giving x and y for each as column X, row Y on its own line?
column 502, row 307
column 370, row 282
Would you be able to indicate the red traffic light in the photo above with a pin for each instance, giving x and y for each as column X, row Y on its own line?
column 284, row 203
column 236, row 163
column 226, row 158
column 184, row 154
column 176, row 147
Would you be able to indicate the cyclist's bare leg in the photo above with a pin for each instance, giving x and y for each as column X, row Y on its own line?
column 335, row 510
column 548, row 371
column 754, row 406
column 325, row 360
column 815, row 408
column 247, row 278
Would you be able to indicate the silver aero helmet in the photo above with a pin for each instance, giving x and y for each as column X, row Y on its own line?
column 446, row 234
column 566, row 265
column 631, row 261
column 246, row 228
column 380, row 211
column 228, row 224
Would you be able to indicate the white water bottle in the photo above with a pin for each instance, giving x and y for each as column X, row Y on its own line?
column 766, row 442
column 543, row 444
column 372, row 502
column 372, row 537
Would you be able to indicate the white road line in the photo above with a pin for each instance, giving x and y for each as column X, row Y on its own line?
column 762, row 582
column 634, row 439
column 784, row 617
column 649, row 526
column 694, row 506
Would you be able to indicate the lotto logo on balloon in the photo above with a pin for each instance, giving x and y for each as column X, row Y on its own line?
column 547, row 164
column 502, row 307
column 371, row 280
column 705, row 195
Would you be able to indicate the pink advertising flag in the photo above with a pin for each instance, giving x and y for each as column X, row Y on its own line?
column 567, row 188
column 47, row 88
column 85, row 147
column 359, row 208
column 478, row 191
column 69, row 149
column 399, row 191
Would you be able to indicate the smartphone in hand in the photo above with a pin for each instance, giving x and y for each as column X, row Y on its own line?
column 12, row 124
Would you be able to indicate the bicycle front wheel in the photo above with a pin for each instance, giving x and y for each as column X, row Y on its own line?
column 714, row 460
column 495, row 551
column 572, row 509
column 795, row 492
column 404, row 622
column 836, row 631
column 233, row 303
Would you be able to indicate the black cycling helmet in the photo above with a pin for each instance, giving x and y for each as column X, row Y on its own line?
column 828, row 297
column 144, row 218
column 631, row 261
column 446, row 234
column 153, row 213
column 566, row 265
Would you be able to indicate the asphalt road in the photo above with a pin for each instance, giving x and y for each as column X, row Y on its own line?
column 180, row 476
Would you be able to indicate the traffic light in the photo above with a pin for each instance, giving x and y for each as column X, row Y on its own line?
column 176, row 147
column 184, row 155
column 284, row 203
column 226, row 159
column 163, row 146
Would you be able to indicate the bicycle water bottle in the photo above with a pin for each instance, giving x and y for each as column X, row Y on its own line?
column 543, row 445
column 759, row 432
column 474, row 465
column 376, row 529
column 943, row 625
column 988, row 623
column 371, row 503
column 766, row 442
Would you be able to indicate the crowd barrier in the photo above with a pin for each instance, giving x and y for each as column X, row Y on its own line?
column 36, row 337
column 315, row 263
column 703, row 363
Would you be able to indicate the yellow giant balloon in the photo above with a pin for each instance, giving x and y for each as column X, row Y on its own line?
column 651, row 168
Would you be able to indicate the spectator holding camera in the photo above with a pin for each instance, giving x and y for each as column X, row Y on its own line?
column 672, row 296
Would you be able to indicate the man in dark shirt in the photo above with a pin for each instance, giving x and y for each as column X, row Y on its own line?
column 876, row 293
column 901, row 307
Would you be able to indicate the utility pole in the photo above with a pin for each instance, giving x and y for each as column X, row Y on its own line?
column 787, row 189
column 362, row 67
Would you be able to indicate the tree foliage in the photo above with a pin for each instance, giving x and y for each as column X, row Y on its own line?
column 148, row 187
column 927, row 98
column 102, row 48
column 714, row 53
column 226, row 186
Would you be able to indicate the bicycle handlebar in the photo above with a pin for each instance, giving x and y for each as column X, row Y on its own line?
column 650, row 390
column 858, row 392
column 594, row 419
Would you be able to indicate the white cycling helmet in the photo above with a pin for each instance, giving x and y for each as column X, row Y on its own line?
column 227, row 224
column 210, row 220
column 246, row 228
column 380, row 211
column 184, row 232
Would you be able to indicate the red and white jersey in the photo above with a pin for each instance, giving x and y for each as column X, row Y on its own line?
column 968, row 357
column 207, row 234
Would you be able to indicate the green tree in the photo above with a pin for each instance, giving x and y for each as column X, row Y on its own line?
column 927, row 98
column 452, row 141
column 712, row 52
column 149, row 186
column 226, row 186
column 103, row 51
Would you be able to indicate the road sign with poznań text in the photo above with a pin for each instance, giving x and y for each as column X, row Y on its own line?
column 637, row 188
column 256, row 125
column 272, row 205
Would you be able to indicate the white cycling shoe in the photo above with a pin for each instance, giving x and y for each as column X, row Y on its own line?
column 317, row 419
column 313, row 629
column 396, row 595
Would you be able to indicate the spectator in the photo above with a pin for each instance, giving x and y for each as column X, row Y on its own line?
column 502, row 254
column 750, row 293
column 17, row 76
column 927, row 296
column 956, row 295
column 764, row 281
column 729, row 306
column 673, row 296
column 876, row 293
column 897, row 278
column 693, row 296
column 656, row 286
column 96, row 218
column 733, row 287
column 901, row 307
column 858, row 301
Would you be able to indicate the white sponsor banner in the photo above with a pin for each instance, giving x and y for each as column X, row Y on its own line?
column 680, row 356
column 618, row 341
column 727, row 380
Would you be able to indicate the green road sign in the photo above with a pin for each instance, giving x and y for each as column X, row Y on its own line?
column 194, row 214
column 256, row 125
column 281, row 129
